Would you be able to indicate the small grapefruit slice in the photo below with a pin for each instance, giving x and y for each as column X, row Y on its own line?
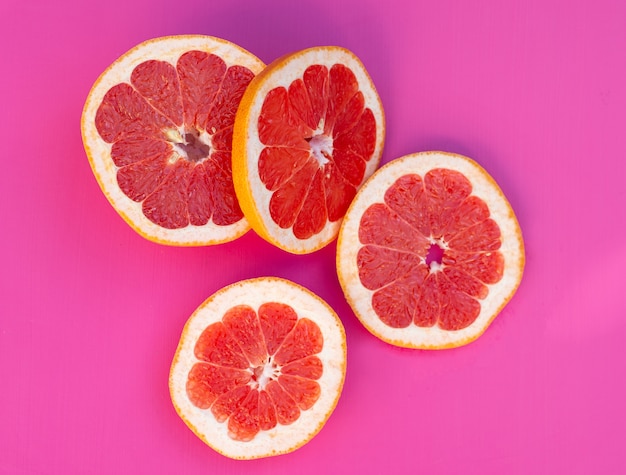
column 157, row 128
column 309, row 131
column 259, row 368
column 429, row 252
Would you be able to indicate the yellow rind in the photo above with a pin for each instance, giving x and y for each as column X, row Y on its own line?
column 240, row 153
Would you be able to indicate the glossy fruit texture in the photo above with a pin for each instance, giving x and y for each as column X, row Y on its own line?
column 309, row 131
column 259, row 368
column 157, row 127
column 430, row 251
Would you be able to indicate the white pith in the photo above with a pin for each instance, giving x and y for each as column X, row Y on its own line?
column 283, row 76
column 373, row 191
column 165, row 49
column 282, row 438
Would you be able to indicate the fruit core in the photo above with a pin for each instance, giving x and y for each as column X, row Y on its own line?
column 263, row 374
column 321, row 148
column 192, row 144
column 434, row 256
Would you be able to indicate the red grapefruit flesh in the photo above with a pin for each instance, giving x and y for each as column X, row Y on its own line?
column 308, row 132
column 430, row 251
column 157, row 127
column 259, row 368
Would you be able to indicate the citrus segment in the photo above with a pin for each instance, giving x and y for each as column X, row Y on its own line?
column 157, row 128
column 308, row 132
column 236, row 367
column 259, row 368
column 430, row 251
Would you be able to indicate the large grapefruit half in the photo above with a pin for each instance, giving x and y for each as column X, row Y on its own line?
column 157, row 128
column 259, row 368
column 308, row 132
column 430, row 251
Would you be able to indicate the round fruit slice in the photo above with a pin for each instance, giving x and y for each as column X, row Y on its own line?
column 309, row 131
column 429, row 252
column 259, row 368
column 157, row 128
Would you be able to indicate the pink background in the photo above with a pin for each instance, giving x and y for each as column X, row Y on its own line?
column 90, row 312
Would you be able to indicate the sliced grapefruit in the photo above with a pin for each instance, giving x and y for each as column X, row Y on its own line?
column 157, row 128
column 259, row 368
column 309, row 131
column 430, row 251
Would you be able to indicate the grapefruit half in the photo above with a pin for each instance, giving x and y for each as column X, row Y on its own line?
column 430, row 251
column 157, row 128
column 308, row 132
column 259, row 368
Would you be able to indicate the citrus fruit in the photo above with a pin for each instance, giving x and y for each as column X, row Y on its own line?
column 157, row 128
column 308, row 132
column 259, row 368
column 430, row 251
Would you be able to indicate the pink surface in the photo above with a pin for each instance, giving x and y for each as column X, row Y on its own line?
column 90, row 312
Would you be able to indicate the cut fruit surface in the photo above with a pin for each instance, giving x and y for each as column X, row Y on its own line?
column 430, row 251
column 157, row 128
column 259, row 368
column 308, row 132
